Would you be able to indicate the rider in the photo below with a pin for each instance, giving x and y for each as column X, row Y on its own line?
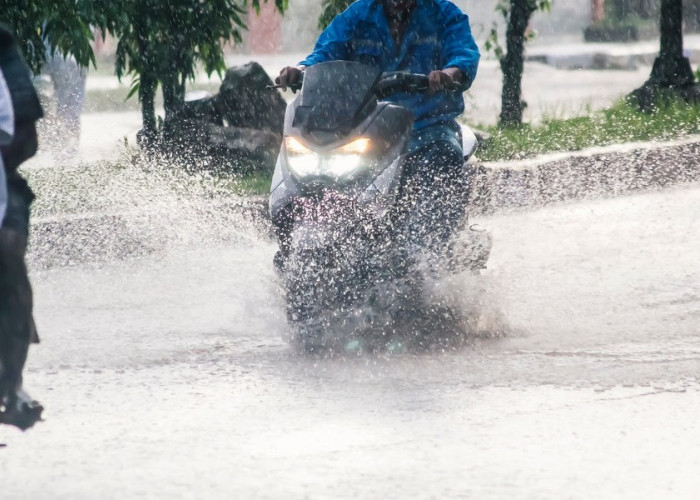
column 430, row 37
column 19, row 143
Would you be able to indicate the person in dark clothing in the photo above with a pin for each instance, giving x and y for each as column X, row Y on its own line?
column 430, row 37
column 17, row 328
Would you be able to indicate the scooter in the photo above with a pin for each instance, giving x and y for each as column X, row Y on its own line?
column 352, row 282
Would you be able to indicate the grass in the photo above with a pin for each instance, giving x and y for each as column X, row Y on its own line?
column 621, row 123
column 254, row 183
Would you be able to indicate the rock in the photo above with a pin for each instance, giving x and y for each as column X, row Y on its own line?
column 245, row 101
column 246, row 143
column 205, row 109
column 240, row 128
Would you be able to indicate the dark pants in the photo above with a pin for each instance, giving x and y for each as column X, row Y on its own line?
column 434, row 187
column 17, row 328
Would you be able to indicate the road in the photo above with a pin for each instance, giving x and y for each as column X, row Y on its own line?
column 166, row 376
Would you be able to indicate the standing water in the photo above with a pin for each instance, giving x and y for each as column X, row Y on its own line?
column 164, row 373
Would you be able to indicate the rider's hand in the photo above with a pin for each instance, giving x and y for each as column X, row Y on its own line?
column 443, row 79
column 289, row 75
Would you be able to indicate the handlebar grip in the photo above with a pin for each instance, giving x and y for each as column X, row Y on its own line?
column 393, row 82
column 291, row 86
column 454, row 87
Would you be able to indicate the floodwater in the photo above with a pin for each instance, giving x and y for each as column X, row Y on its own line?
column 165, row 376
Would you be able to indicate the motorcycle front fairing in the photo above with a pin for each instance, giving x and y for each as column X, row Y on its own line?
column 357, row 157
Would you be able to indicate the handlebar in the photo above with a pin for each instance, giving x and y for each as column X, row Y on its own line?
column 389, row 83
column 397, row 81
column 291, row 86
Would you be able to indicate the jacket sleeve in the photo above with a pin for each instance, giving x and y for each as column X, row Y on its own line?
column 459, row 50
column 333, row 43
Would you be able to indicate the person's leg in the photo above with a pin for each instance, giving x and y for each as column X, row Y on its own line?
column 69, row 87
column 17, row 329
column 15, row 310
column 434, row 193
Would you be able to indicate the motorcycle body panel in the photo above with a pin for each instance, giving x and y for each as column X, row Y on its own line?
column 388, row 124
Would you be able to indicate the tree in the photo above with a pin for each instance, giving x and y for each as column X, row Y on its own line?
column 331, row 8
column 517, row 14
column 61, row 26
column 160, row 43
column 671, row 70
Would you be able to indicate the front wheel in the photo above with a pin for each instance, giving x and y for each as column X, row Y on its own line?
column 305, row 297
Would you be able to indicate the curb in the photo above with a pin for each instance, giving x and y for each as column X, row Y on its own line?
column 607, row 55
column 595, row 173
column 497, row 187
column 597, row 60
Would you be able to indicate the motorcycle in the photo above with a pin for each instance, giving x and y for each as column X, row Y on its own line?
column 353, row 276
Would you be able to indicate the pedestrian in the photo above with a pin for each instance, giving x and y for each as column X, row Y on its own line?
column 68, row 80
column 17, row 327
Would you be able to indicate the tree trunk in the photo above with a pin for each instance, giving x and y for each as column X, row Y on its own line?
column 147, row 96
column 174, row 84
column 148, row 84
column 597, row 10
column 512, row 63
column 171, row 101
column 671, row 69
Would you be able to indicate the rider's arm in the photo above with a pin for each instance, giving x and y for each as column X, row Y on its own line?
column 459, row 50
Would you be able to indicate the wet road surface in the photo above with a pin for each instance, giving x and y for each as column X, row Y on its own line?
column 167, row 376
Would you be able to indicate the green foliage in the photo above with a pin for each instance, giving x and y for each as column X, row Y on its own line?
column 168, row 39
column 503, row 7
column 165, row 37
column 493, row 44
column 160, row 43
column 621, row 123
column 65, row 26
column 331, row 8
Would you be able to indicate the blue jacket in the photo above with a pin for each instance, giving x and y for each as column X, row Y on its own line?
column 438, row 36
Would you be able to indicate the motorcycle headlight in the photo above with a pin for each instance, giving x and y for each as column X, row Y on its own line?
column 302, row 161
column 345, row 161
column 358, row 146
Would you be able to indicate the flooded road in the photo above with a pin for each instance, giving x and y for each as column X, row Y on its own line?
column 167, row 377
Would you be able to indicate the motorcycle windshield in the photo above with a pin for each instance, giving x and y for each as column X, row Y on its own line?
column 336, row 96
